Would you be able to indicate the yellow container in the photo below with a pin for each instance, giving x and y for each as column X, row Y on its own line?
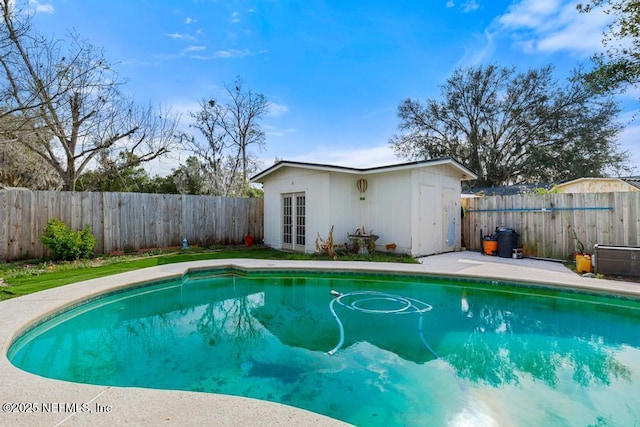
column 583, row 263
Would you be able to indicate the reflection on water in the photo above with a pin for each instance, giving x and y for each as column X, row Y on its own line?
column 502, row 344
column 505, row 354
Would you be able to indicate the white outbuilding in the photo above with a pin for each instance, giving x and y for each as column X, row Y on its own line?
column 413, row 208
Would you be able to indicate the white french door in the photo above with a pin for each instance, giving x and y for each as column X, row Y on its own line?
column 294, row 221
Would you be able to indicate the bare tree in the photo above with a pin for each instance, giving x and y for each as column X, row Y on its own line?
column 211, row 153
column 20, row 167
column 242, row 127
column 73, row 94
column 229, row 130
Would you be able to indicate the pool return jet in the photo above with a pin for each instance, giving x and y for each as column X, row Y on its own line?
column 356, row 300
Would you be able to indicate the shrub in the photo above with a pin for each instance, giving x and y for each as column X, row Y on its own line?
column 67, row 244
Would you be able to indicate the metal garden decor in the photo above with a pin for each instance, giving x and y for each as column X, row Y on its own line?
column 362, row 185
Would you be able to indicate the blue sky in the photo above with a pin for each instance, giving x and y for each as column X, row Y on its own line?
column 334, row 70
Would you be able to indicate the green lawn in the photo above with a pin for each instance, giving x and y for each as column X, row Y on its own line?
column 25, row 277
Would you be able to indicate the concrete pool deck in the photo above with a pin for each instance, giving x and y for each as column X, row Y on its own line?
column 30, row 400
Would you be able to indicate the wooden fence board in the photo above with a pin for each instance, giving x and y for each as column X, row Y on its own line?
column 36, row 225
column 120, row 220
column 605, row 218
column 633, row 224
column 97, row 221
column 4, row 224
column 15, row 226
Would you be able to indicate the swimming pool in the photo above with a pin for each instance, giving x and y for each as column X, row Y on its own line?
column 504, row 354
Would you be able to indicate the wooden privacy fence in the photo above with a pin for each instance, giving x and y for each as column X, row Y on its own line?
column 546, row 223
column 126, row 221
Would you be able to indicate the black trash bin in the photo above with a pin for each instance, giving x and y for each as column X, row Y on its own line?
column 507, row 241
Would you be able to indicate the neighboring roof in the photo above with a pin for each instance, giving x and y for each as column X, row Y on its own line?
column 467, row 173
column 510, row 190
column 633, row 181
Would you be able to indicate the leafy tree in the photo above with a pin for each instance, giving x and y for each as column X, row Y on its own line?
column 132, row 180
column 619, row 66
column 228, row 131
column 512, row 127
column 255, row 192
column 192, row 178
column 110, row 175
column 162, row 185
column 73, row 94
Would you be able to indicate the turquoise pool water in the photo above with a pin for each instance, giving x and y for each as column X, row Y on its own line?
column 486, row 354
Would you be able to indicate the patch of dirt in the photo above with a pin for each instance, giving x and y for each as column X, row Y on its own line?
column 622, row 278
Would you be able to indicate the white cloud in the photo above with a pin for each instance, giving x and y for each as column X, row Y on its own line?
column 232, row 53
column 277, row 110
column 466, row 7
column 180, row 36
column 359, row 158
column 470, row 6
column 235, row 17
column 45, row 8
column 137, row 62
column 553, row 26
column 530, row 13
column 189, row 21
column 630, row 93
column 41, row 8
column 630, row 135
column 195, row 48
column 475, row 53
column 182, row 108
column 277, row 132
column 225, row 54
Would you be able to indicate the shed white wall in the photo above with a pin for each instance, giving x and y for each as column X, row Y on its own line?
column 315, row 185
column 392, row 207
column 435, row 219
column 386, row 209
column 332, row 199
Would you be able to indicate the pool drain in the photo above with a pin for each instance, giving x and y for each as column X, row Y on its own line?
column 358, row 301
